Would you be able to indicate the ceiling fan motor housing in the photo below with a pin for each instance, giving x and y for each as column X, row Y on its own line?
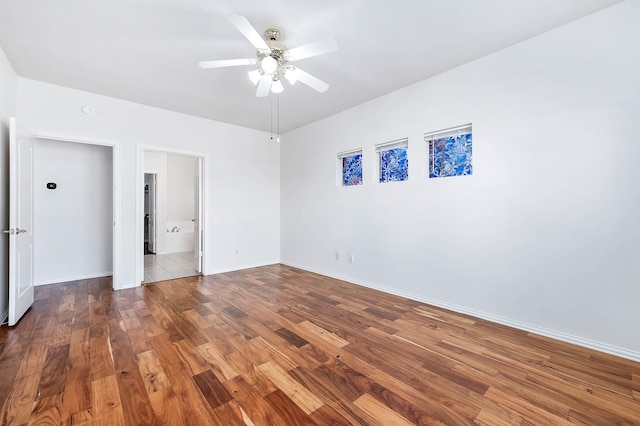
column 272, row 34
column 277, row 49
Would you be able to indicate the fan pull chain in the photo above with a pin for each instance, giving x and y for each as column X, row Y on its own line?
column 278, row 118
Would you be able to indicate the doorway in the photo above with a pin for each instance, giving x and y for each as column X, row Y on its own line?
column 73, row 211
column 67, row 206
column 172, row 212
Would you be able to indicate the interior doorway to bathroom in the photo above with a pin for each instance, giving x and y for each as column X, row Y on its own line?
column 172, row 216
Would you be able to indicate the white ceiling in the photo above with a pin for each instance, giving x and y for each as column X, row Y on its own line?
column 147, row 51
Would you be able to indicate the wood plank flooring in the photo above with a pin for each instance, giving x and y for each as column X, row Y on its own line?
column 280, row 346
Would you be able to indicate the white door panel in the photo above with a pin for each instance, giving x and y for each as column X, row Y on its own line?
column 21, row 290
column 152, row 213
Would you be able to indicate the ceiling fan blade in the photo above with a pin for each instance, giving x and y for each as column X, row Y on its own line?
column 227, row 63
column 311, row 81
column 243, row 25
column 311, row 49
column 264, row 85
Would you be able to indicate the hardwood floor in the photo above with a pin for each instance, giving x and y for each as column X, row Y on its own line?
column 280, row 346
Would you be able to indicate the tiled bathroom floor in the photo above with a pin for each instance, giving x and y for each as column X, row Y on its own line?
column 160, row 267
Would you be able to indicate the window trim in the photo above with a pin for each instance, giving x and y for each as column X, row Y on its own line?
column 440, row 134
column 388, row 146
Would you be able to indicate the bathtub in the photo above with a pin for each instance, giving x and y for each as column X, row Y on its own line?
column 180, row 236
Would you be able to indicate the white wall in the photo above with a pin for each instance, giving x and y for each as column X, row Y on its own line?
column 72, row 223
column 181, row 171
column 545, row 233
column 8, row 94
column 242, row 190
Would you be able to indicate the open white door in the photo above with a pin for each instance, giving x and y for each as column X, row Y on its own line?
column 197, row 209
column 152, row 211
column 21, row 292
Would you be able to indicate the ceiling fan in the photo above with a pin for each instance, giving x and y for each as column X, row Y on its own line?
column 274, row 59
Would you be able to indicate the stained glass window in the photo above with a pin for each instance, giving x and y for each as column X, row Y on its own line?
column 450, row 152
column 351, row 165
column 394, row 163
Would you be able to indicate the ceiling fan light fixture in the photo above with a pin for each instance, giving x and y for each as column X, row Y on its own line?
column 268, row 64
column 273, row 57
column 291, row 75
column 255, row 76
column 276, row 86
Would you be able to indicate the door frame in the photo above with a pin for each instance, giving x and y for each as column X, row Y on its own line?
column 116, row 233
column 198, row 216
column 204, row 202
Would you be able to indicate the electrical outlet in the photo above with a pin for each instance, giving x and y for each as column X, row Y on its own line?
column 352, row 258
column 236, row 251
column 337, row 256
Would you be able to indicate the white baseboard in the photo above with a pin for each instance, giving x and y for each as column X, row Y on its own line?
column 239, row 268
column 5, row 318
column 568, row 338
column 74, row 278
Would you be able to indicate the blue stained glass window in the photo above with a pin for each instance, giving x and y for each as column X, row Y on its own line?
column 352, row 170
column 394, row 164
column 450, row 156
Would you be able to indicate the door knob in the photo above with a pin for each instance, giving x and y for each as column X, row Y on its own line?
column 20, row 231
column 8, row 231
